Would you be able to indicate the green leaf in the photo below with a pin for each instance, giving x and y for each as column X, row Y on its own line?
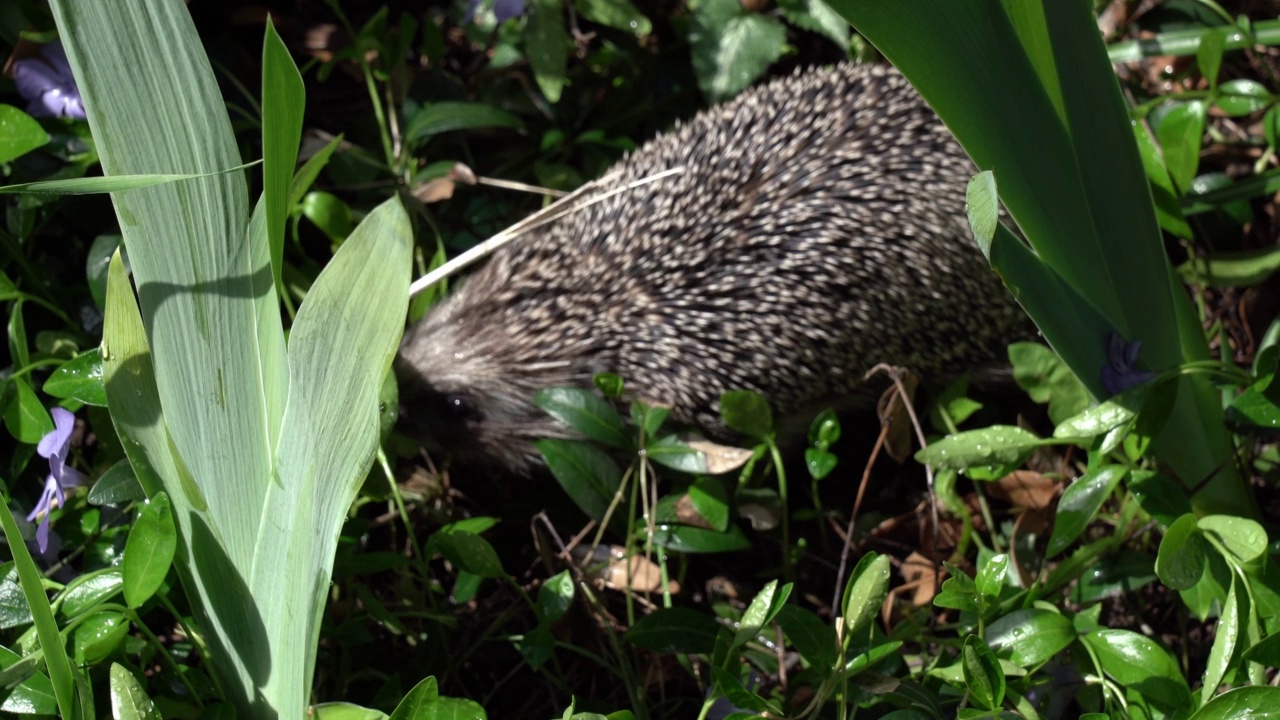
column 675, row 630
column 1243, row 703
column 339, row 353
column 343, row 711
column 87, row 591
column 470, row 552
column 24, row 414
column 439, row 117
column 1209, row 54
column 759, row 612
column 1225, row 639
column 19, row 134
column 129, row 700
column 283, row 100
column 690, row 539
column 310, row 170
column 620, row 14
column 1168, row 202
column 1242, row 96
column 996, row 445
column 1142, row 665
column 588, row 475
column 990, row 579
column 747, row 412
column 814, row 639
column 1038, row 370
column 1242, row 540
column 149, row 552
column 1266, row 652
column 95, row 266
column 865, row 593
column 329, row 213
column 1159, row 496
column 732, row 47
column 817, row 16
column 1180, row 133
column 79, row 379
column 114, row 183
column 555, row 596
column 982, row 674
column 1080, row 503
column 1030, row 637
column 1243, row 268
column 33, row 694
column 587, row 413
column 671, row 451
column 710, row 499
column 1180, row 560
column 547, row 46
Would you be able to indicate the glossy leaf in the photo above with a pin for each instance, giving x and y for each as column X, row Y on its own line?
column 19, row 133
column 24, row 415
column 675, row 630
column 1048, row 380
column 89, row 590
column 995, row 445
column 747, row 412
column 1243, row 541
column 150, row 550
column 1225, row 640
column 439, row 117
column 547, row 46
column 1030, row 636
column 470, row 553
column 1180, row 561
column 864, row 595
column 1080, row 503
column 1243, row 703
column 709, row 497
column 129, row 699
column 587, row 413
column 588, row 475
column 79, row 379
column 982, row 674
column 732, row 46
column 1141, row 664
column 814, row 639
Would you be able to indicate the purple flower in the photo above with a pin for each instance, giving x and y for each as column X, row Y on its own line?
column 54, row 446
column 47, row 83
column 503, row 10
column 1119, row 373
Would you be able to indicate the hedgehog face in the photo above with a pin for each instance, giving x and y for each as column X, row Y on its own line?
column 457, row 398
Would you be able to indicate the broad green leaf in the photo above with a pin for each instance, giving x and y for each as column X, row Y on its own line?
column 757, row 613
column 283, row 100
column 470, row 553
column 555, row 596
column 89, row 590
column 709, row 497
column 671, row 451
column 1243, row 703
column 1080, row 503
column 816, row 16
column 1168, row 203
column 587, row 413
column 1030, row 636
column 33, row 694
column 129, row 698
column 13, row 599
column 98, row 636
column 329, row 213
column 1180, row 560
column 310, row 170
column 1209, row 54
column 728, row 686
column 747, row 412
column 996, row 445
column 732, row 46
column 205, row 288
column 439, row 117
column 620, row 14
column 813, row 638
column 424, row 703
column 690, row 539
column 547, row 46
column 588, row 475
column 79, row 379
column 24, row 415
column 1232, row 269
column 1242, row 540
column 19, row 134
column 982, row 674
column 1266, row 652
column 1141, row 664
column 1180, row 133
column 864, row 595
column 1159, row 496
column 149, row 552
column 1242, row 96
column 675, row 630
column 990, row 579
column 1039, row 371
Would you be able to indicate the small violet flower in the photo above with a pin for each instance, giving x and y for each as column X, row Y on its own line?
column 54, row 446
column 1119, row 374
column 48, row 85
column 503, row 10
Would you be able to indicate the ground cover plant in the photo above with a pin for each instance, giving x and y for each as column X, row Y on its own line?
column 211, row 514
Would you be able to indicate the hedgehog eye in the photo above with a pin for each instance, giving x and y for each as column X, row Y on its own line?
column 461, row 407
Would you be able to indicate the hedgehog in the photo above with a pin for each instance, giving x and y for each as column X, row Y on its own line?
column 814, row 227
